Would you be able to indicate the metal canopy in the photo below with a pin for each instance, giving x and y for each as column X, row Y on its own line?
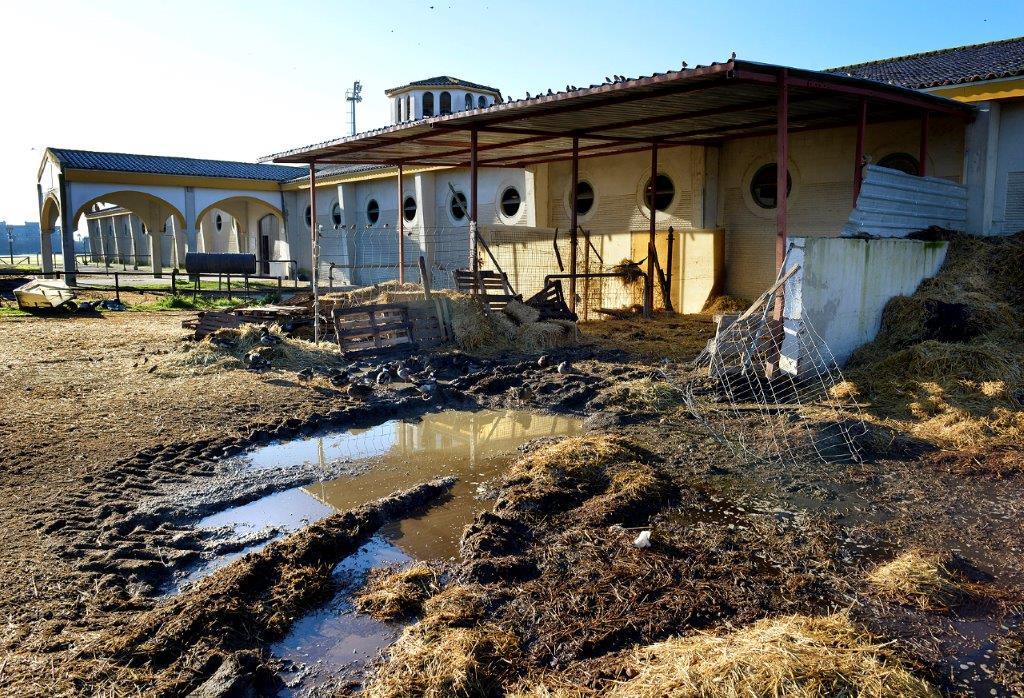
column 700, row 106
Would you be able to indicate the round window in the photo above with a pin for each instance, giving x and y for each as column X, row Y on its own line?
column 409, row 209
column 584, row 198
column 372, row 211
column 458, row 206
column 904, row 162
column 510, row 201
column 220, row 222
column 664, row 192
column 309, row 217
column 764, row 188
column 336, row 213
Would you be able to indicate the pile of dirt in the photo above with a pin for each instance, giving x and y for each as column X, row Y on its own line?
column 250, row 346
column 241, row 608
column 946, row 364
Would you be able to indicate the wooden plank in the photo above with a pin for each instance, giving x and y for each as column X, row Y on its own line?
column 377, row 329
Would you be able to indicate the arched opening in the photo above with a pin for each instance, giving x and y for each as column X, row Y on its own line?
column 239, row 231
column 481, row 101
column 128, row 228
column 469, row 101
column 446, row 103
column 428, row 104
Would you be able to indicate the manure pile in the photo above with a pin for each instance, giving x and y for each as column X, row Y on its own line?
column 948, row 362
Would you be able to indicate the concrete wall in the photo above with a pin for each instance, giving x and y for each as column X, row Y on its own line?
column 821, row 166
column 1008, row 203
column 843, row 284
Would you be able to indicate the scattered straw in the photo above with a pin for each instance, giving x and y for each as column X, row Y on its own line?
column 790, row 655
column 435, row 660
column 394, row 594
column 647, row 395
column 916, row 578
column 225, row 350
column 629, row 272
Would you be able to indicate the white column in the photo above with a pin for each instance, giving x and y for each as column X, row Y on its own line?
column 156, row 254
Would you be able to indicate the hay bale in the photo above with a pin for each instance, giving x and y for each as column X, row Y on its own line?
column 391, row 594
column 521, row 313
column 917, row 578
column 790, row 655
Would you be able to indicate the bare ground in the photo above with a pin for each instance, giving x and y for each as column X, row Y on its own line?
column 89, row 430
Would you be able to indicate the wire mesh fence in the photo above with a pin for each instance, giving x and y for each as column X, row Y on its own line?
column 772, row 390
column 365, row 254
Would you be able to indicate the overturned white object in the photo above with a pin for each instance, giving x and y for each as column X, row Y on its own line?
column 643, row 540
column 43, row 293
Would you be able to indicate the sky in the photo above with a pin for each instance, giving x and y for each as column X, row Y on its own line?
column 240, row 80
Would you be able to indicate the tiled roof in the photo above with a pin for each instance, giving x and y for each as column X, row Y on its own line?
column 160, row 164
column 332, row 170
column 950, row 66
column 444, row 81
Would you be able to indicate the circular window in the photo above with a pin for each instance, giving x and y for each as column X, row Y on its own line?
column 372, row 211
column 904, row 162
column 409, row 209
column 764, row 188
column 664, row 192
column 309, row 217
column 511, row 201
column 458, row 206
column 584, row 198
column 219, row 222
column 336, row 213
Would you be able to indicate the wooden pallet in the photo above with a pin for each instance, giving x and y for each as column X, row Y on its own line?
column 550, row 301
column 367, row 330
column 491, row 287
column 209, row 322
column 273, row 312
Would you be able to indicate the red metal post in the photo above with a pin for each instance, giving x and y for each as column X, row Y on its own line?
column 573, row 225
column 473, row 232
column 649, row 291
column 314, row 244
column 922, row 159
column 858, row 156
column 401, row 228
column 781, row 168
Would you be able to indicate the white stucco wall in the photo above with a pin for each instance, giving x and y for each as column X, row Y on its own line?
column 843, row 284
column 821, row 166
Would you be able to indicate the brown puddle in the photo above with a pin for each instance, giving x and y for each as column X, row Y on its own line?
column 476, row 447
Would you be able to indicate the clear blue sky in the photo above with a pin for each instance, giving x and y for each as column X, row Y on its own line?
column 238, row 80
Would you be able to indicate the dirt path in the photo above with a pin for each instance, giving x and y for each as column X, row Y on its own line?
column 77, row 396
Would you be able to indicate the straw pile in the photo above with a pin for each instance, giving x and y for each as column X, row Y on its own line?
column 514, row 328
column 226, row 349
column 790, row 655
column 386, row 292
column 946, row 364
column 395, row 594
column 646, row 395
column 916, row 578
column 723, row 305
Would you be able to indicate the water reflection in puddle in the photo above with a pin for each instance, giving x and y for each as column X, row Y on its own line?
column 476, row 447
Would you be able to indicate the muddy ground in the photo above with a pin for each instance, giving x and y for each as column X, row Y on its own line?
column 106, row 463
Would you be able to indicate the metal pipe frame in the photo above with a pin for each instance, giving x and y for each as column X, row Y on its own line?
column 651, row 241
column 573, row 221
column 858, row 153
column 401, row 227
column 314, row 243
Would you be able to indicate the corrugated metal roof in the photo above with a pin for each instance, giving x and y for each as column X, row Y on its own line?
column 948, row 66
column 444, row 81
column 160, row 164
column 696, row 106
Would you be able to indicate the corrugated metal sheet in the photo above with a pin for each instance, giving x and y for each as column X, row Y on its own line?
column 893, row 204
